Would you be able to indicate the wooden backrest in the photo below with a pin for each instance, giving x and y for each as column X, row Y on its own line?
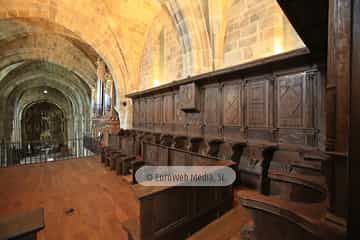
column 156, row 154
column 114, row 141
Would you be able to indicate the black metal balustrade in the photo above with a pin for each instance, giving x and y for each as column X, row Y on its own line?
column 13, row 154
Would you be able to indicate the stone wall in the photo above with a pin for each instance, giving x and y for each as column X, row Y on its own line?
column 252, row 29
column 257, row 29
column 162, row 58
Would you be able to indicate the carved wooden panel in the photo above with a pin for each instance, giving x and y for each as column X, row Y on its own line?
column 149, row 112
column 194, row 124
column 212, row 111
column 232, row 112
column 180, row 116
column 150, row 154
column 158, row 110
column 291, row 94
column 257, row 103
column 211, row 103
column 136, row 112
column 285, row 109
column 142, row 113
column 190, row 97
column 168, row 109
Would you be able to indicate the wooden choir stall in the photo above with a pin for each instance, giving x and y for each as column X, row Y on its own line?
column 269, row 120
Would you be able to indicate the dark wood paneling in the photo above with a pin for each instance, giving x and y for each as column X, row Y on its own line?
column 190, row 97
column 258, row 105
column 282, row 106
column 354, row 154
column 212, row 110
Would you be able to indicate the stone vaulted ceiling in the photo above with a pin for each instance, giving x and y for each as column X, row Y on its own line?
column 143, row 42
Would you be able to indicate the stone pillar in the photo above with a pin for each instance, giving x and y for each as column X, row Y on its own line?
column 101, row 71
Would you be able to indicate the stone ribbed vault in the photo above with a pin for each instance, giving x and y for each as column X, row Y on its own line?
column 144, row 43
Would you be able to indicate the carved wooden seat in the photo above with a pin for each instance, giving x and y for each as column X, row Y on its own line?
column 214, row 147
column 254, row 164
column 198, row 145
column 129, row 154
column 232, row 151
column 167, row 140
column 133, row 161
column 114, row 145
column 114, row 149
column 293, row 178
column 181, row 142
column 278, row 219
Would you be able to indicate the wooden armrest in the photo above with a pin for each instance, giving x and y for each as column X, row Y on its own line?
column 23, row 224
column 225, row 227
column 302, row 213
column 314, row 182
column 116, row 155
column 138, row 163
column 129, row 159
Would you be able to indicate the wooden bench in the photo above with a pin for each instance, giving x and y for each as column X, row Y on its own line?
column 22, row 227
column 176, row 212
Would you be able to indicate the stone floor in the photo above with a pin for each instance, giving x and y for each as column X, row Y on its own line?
column 100, row 199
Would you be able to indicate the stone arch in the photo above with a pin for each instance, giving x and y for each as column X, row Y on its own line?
column 45, row 75
column 104, row 42
column 161, row 61
column 56, row 132
column 190, row 22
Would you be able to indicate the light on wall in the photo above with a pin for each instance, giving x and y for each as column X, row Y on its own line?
column 278, row 46
column 156, row 82
column 45, row 91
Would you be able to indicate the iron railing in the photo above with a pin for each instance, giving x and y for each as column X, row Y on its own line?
column 92, row 144
column 13, row 154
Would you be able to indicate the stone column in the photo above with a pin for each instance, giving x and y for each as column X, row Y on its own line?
column 101, row 70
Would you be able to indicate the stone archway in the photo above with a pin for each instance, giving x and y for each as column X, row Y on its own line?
column 43, row 122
